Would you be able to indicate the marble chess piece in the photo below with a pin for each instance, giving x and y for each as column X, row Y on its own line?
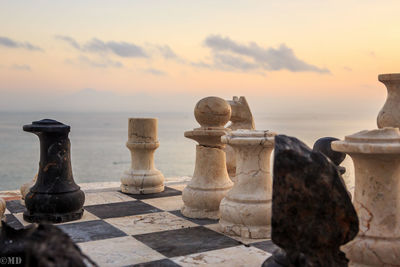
column 312, row 213
column 389, row 115
column 55, row 197
column 142, row 177
column 246, row 208
column 2, row 208
column 210, row 181
column 241, row 118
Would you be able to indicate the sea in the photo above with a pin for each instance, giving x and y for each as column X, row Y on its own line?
column 99, row 154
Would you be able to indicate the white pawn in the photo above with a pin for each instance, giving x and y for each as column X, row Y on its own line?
column 142, row 177
column 246, row 209
column 210, row 181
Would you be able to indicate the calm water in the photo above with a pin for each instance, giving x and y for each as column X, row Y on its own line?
column 98, row 141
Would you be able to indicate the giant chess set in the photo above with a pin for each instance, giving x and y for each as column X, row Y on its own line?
column 234, row 211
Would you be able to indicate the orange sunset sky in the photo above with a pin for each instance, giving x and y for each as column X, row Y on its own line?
column 165, row 55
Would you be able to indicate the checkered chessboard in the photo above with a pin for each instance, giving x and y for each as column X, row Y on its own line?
column 118, row 229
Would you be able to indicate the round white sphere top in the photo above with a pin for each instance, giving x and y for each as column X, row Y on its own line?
column 212, row 111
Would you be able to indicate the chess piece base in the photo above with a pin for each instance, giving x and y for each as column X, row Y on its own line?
column 148, row 182
column 199, row 213
column 52, row 218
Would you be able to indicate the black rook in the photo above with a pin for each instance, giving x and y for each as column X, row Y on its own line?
column 55, row 197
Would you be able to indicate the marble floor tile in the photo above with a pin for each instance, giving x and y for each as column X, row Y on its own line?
column 216, row 227
column 120, row 209
column 196, row 221
column 166, row 203
column 105, row 197
column 267, row 246
column 186, row 241
column 15, row 206
column 168, row 192
column 120, row 251
column 179, row 187
column 227, row 257
column 90, row 231
column 149, row 223
column 159, row 263
column 12, row 221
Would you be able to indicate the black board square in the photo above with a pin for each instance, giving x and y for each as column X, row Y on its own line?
column 159, row 263
column 186, row 241
column 15, row 206
column 121, row 209
column 168, row 192
column 267, row 246
column 196, row 221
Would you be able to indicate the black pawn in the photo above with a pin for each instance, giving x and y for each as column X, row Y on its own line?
column 323, row 145
column 55, row 197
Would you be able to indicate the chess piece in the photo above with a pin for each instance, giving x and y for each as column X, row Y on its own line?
column 2, row 208
column 26, row 186
column 312, row 214
column 246, row 208
column 210, row 181
column 241, row 118
column 376, row 158
column 55, row 197
column 389, row 116
column 40, row 245
column 142, row 177
column 323, row 145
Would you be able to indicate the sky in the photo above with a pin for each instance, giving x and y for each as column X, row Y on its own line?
column 284, row 56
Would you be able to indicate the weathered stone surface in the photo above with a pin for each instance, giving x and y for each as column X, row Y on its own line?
column 42, row 245
column 312, row 214
column 55, row 197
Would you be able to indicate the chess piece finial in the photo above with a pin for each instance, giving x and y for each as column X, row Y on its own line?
column 142, row 177
column 241, row 118
column 323, row 145
column 312, row 213
column 389, row 115
column 55, row 197
column 210, row 181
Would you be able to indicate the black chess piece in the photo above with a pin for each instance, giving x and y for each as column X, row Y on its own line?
column 312, row 213
column 323, row 145
column 55, row 197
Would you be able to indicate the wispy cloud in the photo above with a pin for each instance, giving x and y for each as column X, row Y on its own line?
column 23, row 67
column 95, row 45
column 103, row 62
column 155, row 72
column 7, row 42
column 230, row 55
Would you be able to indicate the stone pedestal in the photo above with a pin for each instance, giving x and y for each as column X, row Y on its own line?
column 55, row 197
column 246, row 209
column 210, row 181
column 241, row 118
column 142, row 177
column 376, row 157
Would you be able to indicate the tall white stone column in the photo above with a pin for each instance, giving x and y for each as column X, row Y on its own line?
column 376, row 158
column 142, row 177
column 210, row 181
column 246, row 209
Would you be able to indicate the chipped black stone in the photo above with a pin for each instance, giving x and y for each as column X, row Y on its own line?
column 55, row 197
column 323, row 145
column 312, row 213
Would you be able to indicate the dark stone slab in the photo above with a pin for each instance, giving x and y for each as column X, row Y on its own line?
column 168, row 192
column 120, row 209
column 197, row 221
column 312, row 213
column 15, row 206
column 54, row 197
column 90, row 231
column 186, row 241
column 267, row 246
column 159, row 263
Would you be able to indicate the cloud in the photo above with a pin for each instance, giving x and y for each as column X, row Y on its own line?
column 228, row 54
column 167, row 52
column 21, row 67
column 155, row 72
column 7, row 42
column 122, row 49
column 96, row 63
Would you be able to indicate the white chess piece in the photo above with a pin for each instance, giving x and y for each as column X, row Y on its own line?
column 210, row 181
column 142, row 177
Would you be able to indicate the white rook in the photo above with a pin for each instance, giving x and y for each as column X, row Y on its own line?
column 246, row 209
column 142, row 177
